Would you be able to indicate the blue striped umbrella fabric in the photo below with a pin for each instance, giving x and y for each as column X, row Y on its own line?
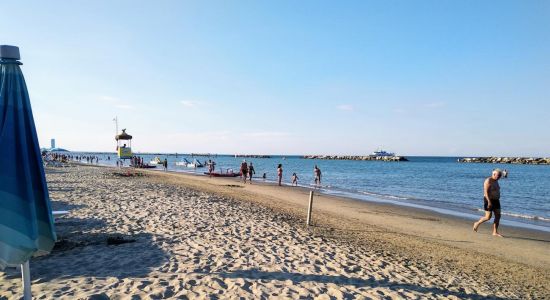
column 26, row 222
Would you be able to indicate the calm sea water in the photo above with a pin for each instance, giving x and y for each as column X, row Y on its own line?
column 437, row 183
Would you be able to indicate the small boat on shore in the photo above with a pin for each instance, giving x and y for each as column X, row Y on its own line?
column 156, row 161
column 185, row 163
column 145, row 166
column 215, row 174
column 228, row 173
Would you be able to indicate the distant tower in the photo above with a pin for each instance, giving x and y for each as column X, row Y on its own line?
column 52, row 144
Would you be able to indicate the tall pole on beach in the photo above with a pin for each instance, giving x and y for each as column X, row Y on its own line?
column 308, row 221
column 116, row 124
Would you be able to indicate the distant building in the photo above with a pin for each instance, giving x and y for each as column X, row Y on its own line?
column 53, row 148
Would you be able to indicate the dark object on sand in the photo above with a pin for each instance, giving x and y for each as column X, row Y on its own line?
column 144, row 167
column 128, row 173
column 216, row 174
column 117, row 240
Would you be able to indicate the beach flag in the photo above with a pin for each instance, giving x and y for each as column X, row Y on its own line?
column 26, row 222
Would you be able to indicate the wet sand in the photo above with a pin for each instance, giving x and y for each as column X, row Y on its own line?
column 165, row 235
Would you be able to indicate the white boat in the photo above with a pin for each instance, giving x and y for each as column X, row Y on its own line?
column 156, row 161
column 381, row 152
column 185, row 163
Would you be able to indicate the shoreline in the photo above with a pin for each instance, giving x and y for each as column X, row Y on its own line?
column 508, row 219
column 463, row 214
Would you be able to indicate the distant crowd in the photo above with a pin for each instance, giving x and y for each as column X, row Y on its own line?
column 247, row 172
column 64, row 158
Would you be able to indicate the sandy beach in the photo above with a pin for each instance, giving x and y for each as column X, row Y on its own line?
column 166, row 235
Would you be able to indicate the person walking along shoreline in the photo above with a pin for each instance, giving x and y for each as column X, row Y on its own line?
column 491, row 201
column 251, row 172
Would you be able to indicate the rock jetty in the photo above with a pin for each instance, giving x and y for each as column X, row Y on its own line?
column 507, row 160
column 357, row 157
column 252, row 156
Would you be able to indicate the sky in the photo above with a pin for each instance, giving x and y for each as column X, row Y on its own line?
column 445, row 78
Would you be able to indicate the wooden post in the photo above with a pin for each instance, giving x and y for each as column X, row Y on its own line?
column 308, row 222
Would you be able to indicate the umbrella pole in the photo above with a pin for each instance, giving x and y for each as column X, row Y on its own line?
column 26, row 274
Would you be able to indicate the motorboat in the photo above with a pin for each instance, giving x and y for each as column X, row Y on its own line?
column 228, row 173
column 145, row 166
column 219, row 174
column 156, row 161
column 381, row 153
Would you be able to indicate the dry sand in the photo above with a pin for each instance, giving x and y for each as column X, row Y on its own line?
column 180, row 236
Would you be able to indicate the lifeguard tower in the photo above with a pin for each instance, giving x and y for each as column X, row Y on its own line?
column 124, row 145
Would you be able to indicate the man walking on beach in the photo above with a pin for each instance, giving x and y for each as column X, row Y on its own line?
column 251, row 171
column 244, row 170
column 491, row 201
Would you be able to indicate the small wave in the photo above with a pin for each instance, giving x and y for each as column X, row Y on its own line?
column 522, row 216
column 384, row 195
column 536, row 218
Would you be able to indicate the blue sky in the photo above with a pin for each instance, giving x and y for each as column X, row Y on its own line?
column 288, row 77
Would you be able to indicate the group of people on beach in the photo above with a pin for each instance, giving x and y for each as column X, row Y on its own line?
column 59, row 157
column 247, row 171
column 294, row 178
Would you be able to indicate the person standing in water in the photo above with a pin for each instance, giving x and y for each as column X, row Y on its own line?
column 251, row 171
column 294, row 179
column 491, row 201
column 165, row 164
column 317, row 175
column 280, row 173
column 244, row 170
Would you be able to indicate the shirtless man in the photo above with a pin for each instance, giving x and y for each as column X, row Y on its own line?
column 491, row 201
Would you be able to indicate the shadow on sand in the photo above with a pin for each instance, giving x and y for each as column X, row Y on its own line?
column 297, row 278
column 64, row 205
column 83, row 249
column 332, row 229
column 526, row 238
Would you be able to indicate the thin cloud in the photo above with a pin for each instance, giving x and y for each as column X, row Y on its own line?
column 345, row 107
column 190, row 103
column 109, row 99
column 116, row 102
column 124, row 106
column 265, row 134
column 435, row 104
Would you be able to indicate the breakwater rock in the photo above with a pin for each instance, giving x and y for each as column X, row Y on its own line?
column 252, row 156
column 507, row 160
column 201, row 154
column 357, row 157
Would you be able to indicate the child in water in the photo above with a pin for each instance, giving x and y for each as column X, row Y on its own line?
column 294, row 179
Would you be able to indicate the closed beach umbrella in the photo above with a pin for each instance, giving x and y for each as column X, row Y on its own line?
column 26, row 222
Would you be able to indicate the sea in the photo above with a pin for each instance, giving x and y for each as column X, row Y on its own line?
column 440, row 184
